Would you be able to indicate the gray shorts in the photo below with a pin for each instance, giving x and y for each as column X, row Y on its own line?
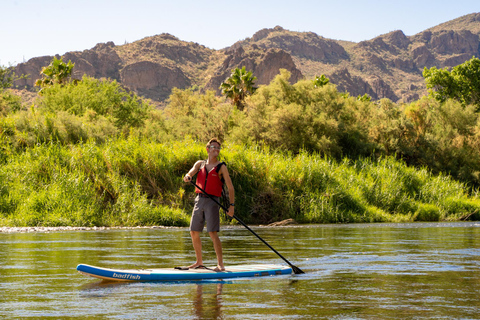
column 205, row 210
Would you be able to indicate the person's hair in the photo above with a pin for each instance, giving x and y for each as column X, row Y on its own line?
column 214, row 140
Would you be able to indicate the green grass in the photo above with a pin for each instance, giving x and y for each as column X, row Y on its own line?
column 134, row 182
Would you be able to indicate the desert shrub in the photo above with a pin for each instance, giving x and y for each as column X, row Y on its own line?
column 443, row 137
column 154, row 128
column 29, row 128
column 9, row 102
column 300, row 116
column 291, row 117
column 200, row 116
column 103, row 97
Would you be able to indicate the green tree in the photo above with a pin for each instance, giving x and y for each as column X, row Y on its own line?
column 56, row 72
column 240, row 84
column 462, row 83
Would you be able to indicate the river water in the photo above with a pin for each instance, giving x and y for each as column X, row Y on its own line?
column 358, row 271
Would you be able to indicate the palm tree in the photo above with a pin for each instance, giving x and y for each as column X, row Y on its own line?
column 56, row 72
column 320, row 81
column 240, row 84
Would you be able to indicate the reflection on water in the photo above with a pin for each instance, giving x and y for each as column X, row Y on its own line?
column 206, row 295
column 378, row 271
column 208, row 305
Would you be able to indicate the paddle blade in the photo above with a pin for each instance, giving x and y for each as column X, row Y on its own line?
column 297, row 270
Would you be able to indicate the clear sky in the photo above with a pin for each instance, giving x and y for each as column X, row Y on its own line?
column 33, row 28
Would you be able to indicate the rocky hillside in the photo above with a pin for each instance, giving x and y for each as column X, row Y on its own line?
column 388, row 66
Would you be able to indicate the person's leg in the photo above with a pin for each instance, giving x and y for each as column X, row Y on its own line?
column 197, row 246
column 212, row 216
column 217, row 245
column 196, row 227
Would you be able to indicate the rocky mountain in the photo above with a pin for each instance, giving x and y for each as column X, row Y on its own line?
column 388, row 66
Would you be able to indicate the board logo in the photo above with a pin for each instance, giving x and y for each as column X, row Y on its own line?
column 126, row 276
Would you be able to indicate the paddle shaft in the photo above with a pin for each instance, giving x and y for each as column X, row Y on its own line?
column 295, row 269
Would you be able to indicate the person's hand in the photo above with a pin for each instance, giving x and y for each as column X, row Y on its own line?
column 231, row 211
column 187, row 178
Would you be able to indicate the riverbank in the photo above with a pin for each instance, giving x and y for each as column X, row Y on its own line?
column 286, row 222
column 61, row 229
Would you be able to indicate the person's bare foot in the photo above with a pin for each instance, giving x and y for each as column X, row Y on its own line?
column 195, row 265
column 219, row 269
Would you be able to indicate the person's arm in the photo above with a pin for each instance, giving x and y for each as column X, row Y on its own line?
column 192, row 172
column 231, row 190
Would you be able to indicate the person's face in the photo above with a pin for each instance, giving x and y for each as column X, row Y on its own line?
column 214, row 148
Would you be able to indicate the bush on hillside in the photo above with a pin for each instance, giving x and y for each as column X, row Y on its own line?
column 9, row 102
column 98, row 97
column 200, row 116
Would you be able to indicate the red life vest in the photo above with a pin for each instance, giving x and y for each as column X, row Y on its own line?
column 214, row 185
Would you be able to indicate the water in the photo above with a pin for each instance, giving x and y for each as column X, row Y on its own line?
column 369, row 271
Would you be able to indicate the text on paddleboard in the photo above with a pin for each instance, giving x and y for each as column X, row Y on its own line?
column 126, row 276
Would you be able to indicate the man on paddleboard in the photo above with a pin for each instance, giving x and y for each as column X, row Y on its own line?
column 211, row 175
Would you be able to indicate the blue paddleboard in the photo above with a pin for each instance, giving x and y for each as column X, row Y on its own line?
column 164, row 274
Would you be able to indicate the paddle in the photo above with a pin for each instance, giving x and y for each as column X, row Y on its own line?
column 295, row 269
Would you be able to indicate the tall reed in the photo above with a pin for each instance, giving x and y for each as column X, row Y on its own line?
column 136, row 181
